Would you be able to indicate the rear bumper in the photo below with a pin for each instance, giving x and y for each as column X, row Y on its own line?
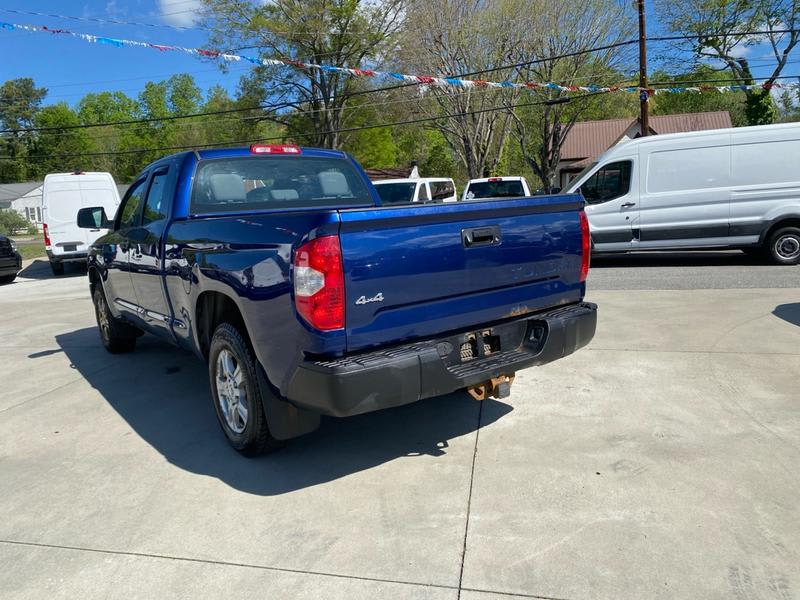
column 67, row 257
column 392, row 377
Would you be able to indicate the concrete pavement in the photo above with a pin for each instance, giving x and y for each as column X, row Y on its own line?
column 659, row 462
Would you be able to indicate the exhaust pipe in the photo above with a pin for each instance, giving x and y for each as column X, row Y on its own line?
column 497, row 387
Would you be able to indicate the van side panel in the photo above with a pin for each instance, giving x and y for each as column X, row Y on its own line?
column 765, row 181
column 685, row 191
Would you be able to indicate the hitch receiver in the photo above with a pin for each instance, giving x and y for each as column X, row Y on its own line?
column 497, row 387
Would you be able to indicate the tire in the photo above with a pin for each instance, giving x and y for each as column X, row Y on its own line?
column 232, row 373
column 117, row 337
column 57, row 267
column 784, row 246
column 7, row 279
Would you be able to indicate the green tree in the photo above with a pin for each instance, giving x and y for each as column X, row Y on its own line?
column 714, row 28
column 11, row 221
column 20, row 101
column 342, row 33
column 734, row 103
column 62, row 147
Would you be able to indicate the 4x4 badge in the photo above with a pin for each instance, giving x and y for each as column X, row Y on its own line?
column 376, row 298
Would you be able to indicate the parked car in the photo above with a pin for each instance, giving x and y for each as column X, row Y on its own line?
column 496, row 187
column 406, row 191
column 62, row 196
column 278, row 267
column 726, row 188
column 10, row 260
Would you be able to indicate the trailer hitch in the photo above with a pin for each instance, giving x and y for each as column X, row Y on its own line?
column 497, row 387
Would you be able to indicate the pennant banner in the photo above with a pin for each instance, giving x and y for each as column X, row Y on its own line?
column 421, row 79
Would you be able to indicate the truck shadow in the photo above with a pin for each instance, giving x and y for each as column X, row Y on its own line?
column 40, row 269
column 788, row 312
column 163, row 394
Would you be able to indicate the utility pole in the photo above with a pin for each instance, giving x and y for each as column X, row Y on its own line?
column 643, row 95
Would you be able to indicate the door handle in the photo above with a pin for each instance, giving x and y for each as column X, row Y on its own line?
column 481, row 236
column 629, row 204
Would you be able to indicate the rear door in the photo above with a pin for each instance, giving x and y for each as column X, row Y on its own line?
column 421, row 270
column 62, row 200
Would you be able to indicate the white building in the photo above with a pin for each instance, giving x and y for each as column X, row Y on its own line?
column 25, row 198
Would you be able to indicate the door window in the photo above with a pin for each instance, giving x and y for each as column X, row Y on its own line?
column 609, row 182
column 442, row 190
column 155, row 206
column 129, row 210
column 424, row 196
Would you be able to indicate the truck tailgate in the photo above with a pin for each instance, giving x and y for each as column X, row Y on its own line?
column 416, row 271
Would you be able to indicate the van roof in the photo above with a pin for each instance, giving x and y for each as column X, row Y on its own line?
column 70, row 176
column 655, row 139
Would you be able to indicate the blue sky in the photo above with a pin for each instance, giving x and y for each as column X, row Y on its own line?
column 70, row 67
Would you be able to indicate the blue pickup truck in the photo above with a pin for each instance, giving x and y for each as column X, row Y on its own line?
column 278, row 266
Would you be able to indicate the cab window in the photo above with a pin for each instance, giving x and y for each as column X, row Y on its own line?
column 129, row 211
column 609, row 182
column 424, row 196
column 155, row 206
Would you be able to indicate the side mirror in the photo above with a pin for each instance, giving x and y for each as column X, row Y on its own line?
column 93, row 218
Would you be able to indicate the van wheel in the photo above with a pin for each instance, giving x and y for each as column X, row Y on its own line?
column 117, row 337
column 57, row 267
column 784, row 246
column 237, row 393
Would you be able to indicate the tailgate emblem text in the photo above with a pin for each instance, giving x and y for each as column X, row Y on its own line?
column 376, row 298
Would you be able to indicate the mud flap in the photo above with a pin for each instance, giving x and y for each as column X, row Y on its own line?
column 285, row 420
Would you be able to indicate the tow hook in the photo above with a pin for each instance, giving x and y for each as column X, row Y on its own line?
column 497, row 387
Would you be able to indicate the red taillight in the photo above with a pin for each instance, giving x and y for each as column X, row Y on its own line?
column 46, row 237
column 495, row 179
column 275, row 149
column 586, row 246
column 319, row 283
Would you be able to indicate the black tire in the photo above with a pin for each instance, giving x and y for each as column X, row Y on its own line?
column 251, row 435
column 7, row 279
column 784, row 246
column 117, row 337
column 57, row 267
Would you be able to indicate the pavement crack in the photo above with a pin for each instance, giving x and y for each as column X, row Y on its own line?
column 469, row 499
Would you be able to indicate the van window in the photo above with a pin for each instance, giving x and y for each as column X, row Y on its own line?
column 155, row 207
column 689, row 169
column 129, row 210
column 442, row 190
column 609, row 182
column 766, row 163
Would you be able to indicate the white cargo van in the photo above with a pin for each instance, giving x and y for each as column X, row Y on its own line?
column 63, row 195
column 725, row 188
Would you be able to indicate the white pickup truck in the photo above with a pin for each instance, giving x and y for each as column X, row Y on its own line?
column 496, row 187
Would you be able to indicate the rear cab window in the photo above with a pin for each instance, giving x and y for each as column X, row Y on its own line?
column 495, row 189
column 276, row 182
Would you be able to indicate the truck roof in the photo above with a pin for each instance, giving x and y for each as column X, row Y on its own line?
column 411, row 180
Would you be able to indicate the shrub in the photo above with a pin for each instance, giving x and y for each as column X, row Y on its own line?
column 11, row 221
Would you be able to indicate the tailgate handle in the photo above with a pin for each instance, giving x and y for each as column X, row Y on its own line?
column 481, row 236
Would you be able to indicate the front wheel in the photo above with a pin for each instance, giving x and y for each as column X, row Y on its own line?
column 117, row 337
column 236, row 392
column 784, row 246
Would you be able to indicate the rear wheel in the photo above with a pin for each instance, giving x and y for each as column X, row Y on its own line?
column 57, row 267
column 784, row 246
column 237, row 393
column 117, row 336
column 7, row 278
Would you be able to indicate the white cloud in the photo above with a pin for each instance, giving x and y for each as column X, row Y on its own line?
column 179, row 12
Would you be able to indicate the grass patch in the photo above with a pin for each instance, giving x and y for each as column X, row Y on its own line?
column 32, row 251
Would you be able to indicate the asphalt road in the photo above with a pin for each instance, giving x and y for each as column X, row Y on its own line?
column 658, row 462
column 688, row 271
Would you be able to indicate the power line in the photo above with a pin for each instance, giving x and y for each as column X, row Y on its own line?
column 99, row 20
column 306, row 135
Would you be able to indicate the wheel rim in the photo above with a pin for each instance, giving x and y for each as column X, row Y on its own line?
column 788, row 247
column 102, row 318
column 231, row 394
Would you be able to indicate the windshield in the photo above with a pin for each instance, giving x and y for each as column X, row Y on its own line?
column 396, row 193
column 268, row 182
column 495, row 189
